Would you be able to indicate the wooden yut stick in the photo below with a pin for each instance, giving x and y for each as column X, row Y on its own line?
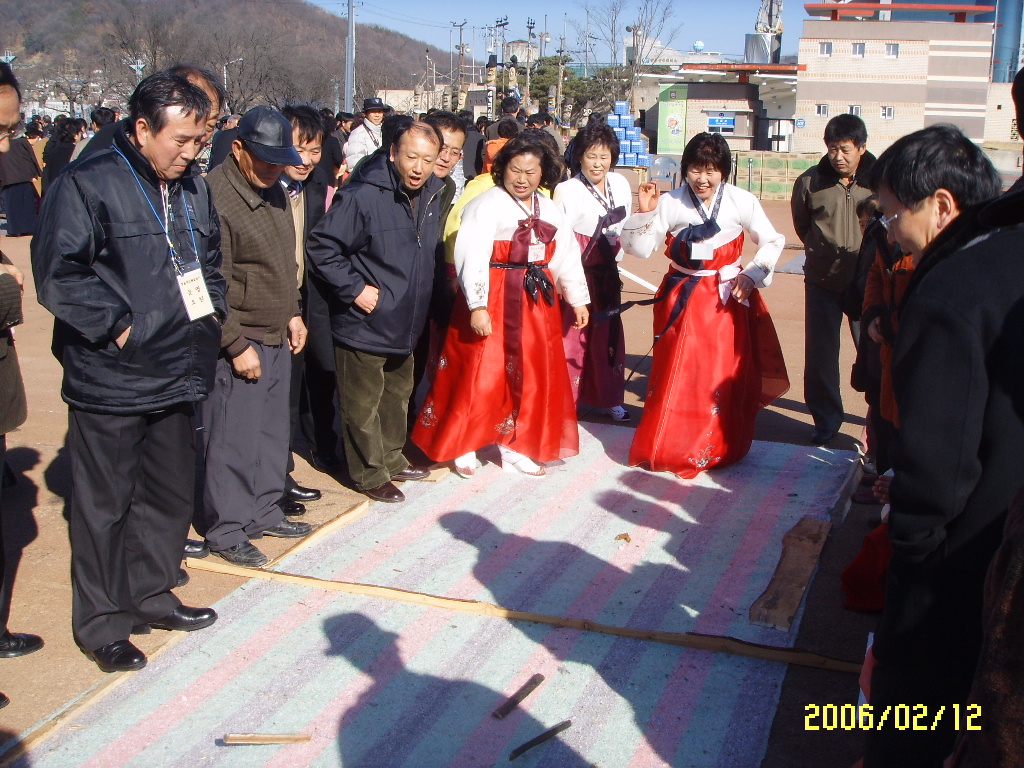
column 716, row 643
column 266, row 738
column 550, row 733
column 517, row 698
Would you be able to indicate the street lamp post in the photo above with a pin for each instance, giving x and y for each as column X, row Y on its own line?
column 8, row 57
column 137, row 68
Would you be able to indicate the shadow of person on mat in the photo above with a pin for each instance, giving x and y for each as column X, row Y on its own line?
column 408, row 718
column 561, row 579
column 12, row 748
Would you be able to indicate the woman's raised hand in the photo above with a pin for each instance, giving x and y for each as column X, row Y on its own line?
column 648, row 196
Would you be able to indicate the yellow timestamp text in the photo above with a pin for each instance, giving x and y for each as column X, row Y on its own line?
column 902, row 717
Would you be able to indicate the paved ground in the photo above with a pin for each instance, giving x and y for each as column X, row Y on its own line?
column 36, row 541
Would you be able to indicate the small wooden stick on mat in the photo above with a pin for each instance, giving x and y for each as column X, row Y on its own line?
column 266, row 738
column 550, row 733
column 517, row 698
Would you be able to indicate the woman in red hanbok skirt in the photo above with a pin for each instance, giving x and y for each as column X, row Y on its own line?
column 717, row 358
column 597, row 201
column 501, row 377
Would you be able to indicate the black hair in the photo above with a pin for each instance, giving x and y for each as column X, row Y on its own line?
column 392, row 127
column 102, row 116
column 530, row 142
column 510, row 105
column 191, row 72
column 507, row 128
column 7, row 78
column 1017, row 93
column 402, row 127
column 707, row 149
column 445, row 121
column 846, row 128
column 32, row 130
column 868, row 206
column 536, row 118
column 160, row 90
column 342, row 117
column 595, row 134
column 309, row 122
column 937, row 157
column 68, row 130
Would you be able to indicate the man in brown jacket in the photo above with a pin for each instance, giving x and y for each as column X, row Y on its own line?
column 247, row 414
column 824, row 207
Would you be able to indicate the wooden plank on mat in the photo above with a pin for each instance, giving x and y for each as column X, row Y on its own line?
column 714, row 643
column 801, row 547
column 350, row 515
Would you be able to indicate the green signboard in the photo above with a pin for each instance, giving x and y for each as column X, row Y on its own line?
column 672, row 120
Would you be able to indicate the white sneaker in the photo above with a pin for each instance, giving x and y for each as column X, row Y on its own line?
column 465, row 465
column 617, row 413
column 527, row 466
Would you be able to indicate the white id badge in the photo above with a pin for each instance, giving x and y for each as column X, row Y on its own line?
column 538, row 252
column 194, row 293
column 702, row 251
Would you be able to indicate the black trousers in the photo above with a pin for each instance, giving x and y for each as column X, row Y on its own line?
column 5, row 587
column 823, row 321
column 247, row 448
column 313, row 407
column 131, row 502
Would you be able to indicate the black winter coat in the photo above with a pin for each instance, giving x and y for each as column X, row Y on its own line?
column 101, row 264
column 370, row 237
column 958, row 374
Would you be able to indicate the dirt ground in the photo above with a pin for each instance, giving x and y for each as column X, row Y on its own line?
column 35, row 531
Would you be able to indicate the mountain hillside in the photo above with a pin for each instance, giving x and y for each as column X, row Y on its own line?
column 272, row 50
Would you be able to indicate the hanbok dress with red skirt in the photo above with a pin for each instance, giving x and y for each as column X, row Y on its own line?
column 716, row 363
column 510, row 388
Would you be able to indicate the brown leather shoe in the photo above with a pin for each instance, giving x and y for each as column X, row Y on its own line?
column 387, row 492
column 412, row 473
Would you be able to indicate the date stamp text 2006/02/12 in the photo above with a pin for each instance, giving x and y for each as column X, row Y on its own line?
column 902, row 717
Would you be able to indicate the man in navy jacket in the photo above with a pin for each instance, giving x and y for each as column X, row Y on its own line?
column 375, row 248
column 127, row 261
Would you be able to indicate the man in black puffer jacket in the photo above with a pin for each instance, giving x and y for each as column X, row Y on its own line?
column 375, row 247
column 127, row 260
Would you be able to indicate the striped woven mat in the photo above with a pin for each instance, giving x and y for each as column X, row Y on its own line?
column 375, row 682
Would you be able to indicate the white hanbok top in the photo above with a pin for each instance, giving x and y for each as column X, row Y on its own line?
column 643, row 233
column 495, row 215
column 583, row 209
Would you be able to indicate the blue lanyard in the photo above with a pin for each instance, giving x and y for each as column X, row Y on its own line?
column 178, row 264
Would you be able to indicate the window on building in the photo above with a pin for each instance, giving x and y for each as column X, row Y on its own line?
column 855, row 109
column 892, row 50
column 825, row 49
column 821, row 110
column 888, row 113
column 858, row 50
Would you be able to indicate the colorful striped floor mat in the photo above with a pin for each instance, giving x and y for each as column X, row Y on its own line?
column 376, row 682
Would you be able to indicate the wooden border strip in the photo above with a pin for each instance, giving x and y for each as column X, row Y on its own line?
column 350, row 515
column 715, row 643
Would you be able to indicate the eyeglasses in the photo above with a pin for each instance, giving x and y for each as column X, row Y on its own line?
column 886, row 221
column 7, row 134
column 450, row 151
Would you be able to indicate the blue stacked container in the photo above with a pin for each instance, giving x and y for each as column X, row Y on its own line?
column 620, row 134
column 629, row 160
column 621, row 107
column 643, row 160
column 613, row 121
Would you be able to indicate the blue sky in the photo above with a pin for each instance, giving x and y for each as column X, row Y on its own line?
column 431, row 22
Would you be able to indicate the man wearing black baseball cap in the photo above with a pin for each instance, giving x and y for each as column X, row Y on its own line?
column 366, row 139
column 247, row 415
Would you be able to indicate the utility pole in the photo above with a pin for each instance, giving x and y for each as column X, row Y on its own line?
column 462, row 59
column 561, row 75
column 140, row 65
column 530, row 24
column 8, row 57
column 350, row 58
column 500, row 24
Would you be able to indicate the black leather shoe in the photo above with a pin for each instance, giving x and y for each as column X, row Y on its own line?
column 244, row 554
column 118, row 656
column 183, row 578
column 296, row 492
column 412, row 473
column 821, row 436
column 293, row 508
column 289, row 529
column 14, row 644
column 195, row 548
column 185, row 619
column 388, row 492
column 325, row 462
column 4, row 701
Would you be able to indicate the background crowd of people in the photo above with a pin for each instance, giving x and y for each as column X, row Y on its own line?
column 222, row 304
